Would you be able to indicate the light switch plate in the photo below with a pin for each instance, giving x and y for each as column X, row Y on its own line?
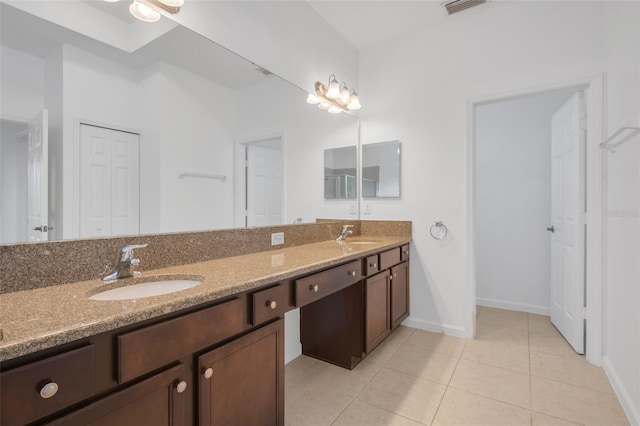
column 352, row 209
column 277, row 238
column 367, row 208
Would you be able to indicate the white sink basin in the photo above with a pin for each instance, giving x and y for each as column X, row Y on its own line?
column 146, row 289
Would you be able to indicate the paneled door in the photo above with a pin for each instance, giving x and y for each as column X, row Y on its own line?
column 568, row 226
column 37, row 178
column 264, row 183
column 109, row 182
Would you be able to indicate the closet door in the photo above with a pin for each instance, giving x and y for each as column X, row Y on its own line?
column 109, row 182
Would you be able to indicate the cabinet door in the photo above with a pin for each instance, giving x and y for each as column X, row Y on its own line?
column 377, row 315
column 159, row 400
column 399, row 294
column 242, row 382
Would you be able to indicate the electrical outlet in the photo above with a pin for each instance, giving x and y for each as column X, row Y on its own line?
column 352, row 209
column 367, row 208
column 277, row 238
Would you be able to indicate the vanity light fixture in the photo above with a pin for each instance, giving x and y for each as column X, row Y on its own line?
column 150, row 10
column 335, row 97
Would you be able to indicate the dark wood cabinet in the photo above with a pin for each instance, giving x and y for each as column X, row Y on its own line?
column 242, row 382
column 399, row 294
column 156, row 401
column 377, row 310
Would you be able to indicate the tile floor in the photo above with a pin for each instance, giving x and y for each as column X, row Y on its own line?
column 519, row 371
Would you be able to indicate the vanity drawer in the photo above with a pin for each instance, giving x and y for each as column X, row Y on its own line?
column 389, row 258
column 44, row 387
column 404, row 252
column 270, row 303
column 152, row 347
column 316, row 286
column 372, row 265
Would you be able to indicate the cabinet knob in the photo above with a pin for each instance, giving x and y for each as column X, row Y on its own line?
column 49, row 390
column 182, row 386
column 207, row 373
column 375, row 265
column 405, row 252
column 395, row 274
column 352, row 273
column 314, row 287
column 272, row 304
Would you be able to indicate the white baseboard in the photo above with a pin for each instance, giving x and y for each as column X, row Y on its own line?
column 449, row 330
column 632, row 412
column 511, row 306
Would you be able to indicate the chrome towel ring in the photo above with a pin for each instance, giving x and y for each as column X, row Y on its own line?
column 438, row 230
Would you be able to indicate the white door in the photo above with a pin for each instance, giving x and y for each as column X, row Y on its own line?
column 567, row 215
column 264, row 184
column 109, row 182
column 38, row 178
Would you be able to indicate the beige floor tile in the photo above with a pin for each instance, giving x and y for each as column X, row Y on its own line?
column 570, row 370
column 511, row 357
column 318, row 408
column 342, row 381
column 539, row 419
column 493, row 382
column 502, row 332
column 437, row 342
column 575, row 404
column 516, row 320
column 301, row 369
column 423, row 363
column 390, row 345
column 359, row 413
column 408, row 396
column 463, row 408
column 550, row 341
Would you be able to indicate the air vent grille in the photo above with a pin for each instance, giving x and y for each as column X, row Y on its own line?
column 460, row 5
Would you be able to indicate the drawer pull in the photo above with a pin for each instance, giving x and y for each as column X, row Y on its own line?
column 49, row 390
column 272, row 304
column 395, row 274
column 182, row 386
column 405, row 252
column 352, row 273
column 375, row 265
column 208, row 373
column 315, row 288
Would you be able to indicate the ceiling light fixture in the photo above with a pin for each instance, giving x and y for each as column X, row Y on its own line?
column 335, row 97
column 151, row 10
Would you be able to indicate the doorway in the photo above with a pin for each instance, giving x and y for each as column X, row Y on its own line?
column 530, row 205
column 263, row 189
column 13, row 181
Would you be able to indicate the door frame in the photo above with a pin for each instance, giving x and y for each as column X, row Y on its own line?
column 240, row 187
column 594, row 88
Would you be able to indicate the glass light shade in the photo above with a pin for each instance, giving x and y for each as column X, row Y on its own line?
column 334, row 110
column 172, row 3
column 144, row 12
column 112, row 1
column 334, row 89
column 345, row 98
column 311, row 99
column 355, row 102
column 323, row 105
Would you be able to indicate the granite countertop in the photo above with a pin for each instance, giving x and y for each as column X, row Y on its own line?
column 33, row 320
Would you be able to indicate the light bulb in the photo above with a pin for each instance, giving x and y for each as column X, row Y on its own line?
column 311, row 99
column 143, row 12
column 334, row 88
column 345, row 98
column 334, row 110
column 112, row 1
column 323, row 105
column 355, row 102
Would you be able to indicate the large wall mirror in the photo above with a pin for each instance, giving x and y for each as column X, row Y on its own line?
column 111, row 126
column 381, row 170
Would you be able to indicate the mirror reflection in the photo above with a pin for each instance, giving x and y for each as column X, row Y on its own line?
column 381, row 170
column 122, row 127
column 340, row 173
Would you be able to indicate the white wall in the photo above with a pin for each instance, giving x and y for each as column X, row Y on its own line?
column 21, row 83
column 513, row 201
column 418, row 90
column 13, row 183
column 622, row 245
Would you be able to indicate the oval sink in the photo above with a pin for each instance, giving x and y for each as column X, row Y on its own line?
column 146, row 289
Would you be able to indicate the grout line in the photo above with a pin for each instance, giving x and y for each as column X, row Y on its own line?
column 342, row 411
column 489, row 397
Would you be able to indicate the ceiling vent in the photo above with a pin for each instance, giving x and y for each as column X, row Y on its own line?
column 460, row 5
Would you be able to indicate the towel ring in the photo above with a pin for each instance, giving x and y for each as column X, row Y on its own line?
column 438, row 230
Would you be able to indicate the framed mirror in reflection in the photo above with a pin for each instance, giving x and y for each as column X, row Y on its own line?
column 381, row 170
column 341, row 173
column 122, row 127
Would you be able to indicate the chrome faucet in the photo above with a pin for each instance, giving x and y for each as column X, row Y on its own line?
column 345, row 231
column 126, row 265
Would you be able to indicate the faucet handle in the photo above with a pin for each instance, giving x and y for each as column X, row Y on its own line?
column 345, row 227
column 127, row 251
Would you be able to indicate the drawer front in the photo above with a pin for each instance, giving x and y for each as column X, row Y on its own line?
column 372, row 265
column 152, row 347
column 270, row 303
column 389, row 258
column 316, row 286
column 29, row 392
column 404, row 252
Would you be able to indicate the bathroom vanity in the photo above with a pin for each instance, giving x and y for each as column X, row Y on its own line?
column 213, row 354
